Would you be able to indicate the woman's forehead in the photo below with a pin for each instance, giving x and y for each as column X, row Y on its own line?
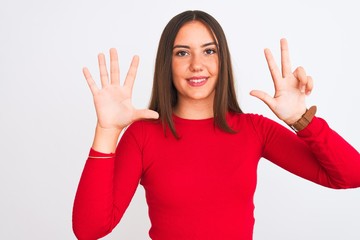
column 194, row 33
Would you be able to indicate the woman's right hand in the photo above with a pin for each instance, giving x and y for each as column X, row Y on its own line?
column 112, row 101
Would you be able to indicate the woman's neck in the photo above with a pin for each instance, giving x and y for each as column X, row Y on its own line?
column 194, row 109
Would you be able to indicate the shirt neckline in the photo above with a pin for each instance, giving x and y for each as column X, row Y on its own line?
column 186, row 120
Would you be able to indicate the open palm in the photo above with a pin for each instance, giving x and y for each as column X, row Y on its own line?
column 291, row 88
column 112, row 101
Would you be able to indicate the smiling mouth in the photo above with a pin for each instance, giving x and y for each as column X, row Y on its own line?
column 196, row 82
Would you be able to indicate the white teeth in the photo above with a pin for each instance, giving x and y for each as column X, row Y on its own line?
column 197, row 80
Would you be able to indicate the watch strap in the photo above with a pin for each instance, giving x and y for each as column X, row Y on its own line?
column 304, row 120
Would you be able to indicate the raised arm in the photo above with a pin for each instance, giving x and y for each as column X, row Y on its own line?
column 317, row 153
column 108, row 182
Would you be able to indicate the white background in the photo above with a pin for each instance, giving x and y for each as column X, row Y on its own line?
column 47, row 117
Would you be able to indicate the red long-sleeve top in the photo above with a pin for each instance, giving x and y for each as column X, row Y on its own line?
column 202, row 185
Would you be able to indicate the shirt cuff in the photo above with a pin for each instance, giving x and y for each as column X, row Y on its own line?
column 315, row 127
column 98, row 155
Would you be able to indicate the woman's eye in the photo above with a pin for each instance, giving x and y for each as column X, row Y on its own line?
column 181, row 53
column 210, row 51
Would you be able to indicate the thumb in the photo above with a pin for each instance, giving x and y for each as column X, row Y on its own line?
column 146, row 113
column 263, row 96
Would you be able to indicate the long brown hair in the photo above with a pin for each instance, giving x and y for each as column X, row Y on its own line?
column 164, row 93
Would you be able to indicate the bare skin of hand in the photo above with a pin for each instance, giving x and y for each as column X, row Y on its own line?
column 291, row 88
column 112, row 101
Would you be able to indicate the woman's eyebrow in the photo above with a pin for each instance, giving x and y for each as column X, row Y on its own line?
column 188, row 47
column 208, row 44
column 181, row 46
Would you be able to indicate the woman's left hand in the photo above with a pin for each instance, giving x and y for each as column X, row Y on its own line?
column 291, row 88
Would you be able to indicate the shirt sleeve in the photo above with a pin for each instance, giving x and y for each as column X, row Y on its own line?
column 106, row 187
column 317, row 153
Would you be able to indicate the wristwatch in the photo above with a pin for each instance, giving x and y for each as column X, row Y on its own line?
column 304, row 120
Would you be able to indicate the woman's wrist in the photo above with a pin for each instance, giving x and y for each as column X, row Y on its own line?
column 305, row 119
column 106, row 140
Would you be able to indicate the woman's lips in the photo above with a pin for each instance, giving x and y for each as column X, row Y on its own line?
column 197, row 82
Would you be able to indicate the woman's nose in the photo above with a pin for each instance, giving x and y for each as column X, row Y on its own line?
column 196, row 63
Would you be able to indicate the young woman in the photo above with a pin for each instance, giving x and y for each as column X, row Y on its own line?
column 194, row 151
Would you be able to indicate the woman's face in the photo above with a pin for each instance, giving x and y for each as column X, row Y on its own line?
column 195, row 63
